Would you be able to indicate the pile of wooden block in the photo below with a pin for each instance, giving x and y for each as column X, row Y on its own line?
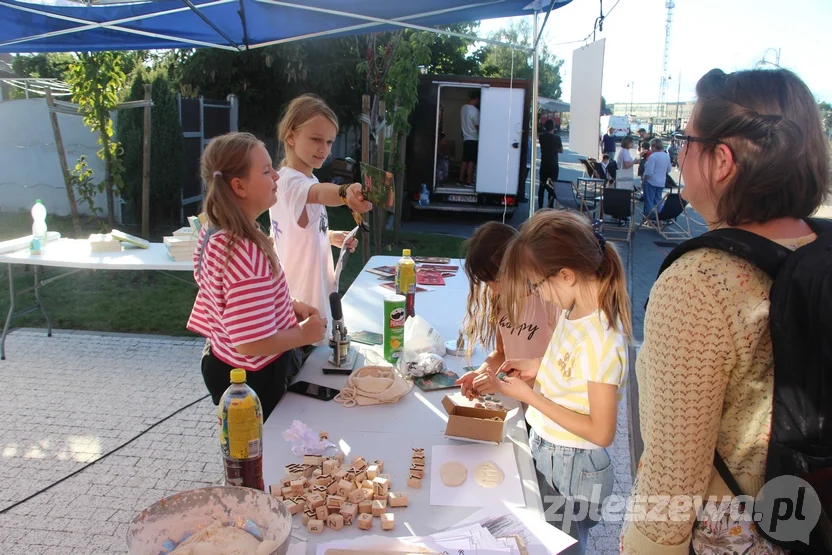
column 327, row 493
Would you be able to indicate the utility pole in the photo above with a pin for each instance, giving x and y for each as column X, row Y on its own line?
column 663, row 84
column 678, row 95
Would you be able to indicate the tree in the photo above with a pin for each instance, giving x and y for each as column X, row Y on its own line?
column 826, row 115
column 43, row 66
column 166, row 149
column 96, row 80
column 450, row 55
column 504, row 61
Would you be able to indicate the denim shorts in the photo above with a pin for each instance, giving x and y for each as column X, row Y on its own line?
column 572, row 472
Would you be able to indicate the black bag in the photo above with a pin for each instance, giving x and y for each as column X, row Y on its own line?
column 800, row 322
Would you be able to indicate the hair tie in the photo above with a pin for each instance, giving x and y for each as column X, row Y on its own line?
column 217, row 173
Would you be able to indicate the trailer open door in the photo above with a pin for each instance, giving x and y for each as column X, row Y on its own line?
column 501, row 135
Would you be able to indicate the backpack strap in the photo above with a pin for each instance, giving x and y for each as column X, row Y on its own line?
column 726, row 475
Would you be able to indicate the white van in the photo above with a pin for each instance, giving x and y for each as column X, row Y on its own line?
column 619, row 124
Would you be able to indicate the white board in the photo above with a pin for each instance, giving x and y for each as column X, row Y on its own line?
column 585, row 102
column 501, row 126
column 469, row 494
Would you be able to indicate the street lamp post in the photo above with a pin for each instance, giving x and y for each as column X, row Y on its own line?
column 632, row 86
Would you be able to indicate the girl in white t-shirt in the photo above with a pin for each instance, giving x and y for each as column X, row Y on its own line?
column 625, row 179
column 300, row 226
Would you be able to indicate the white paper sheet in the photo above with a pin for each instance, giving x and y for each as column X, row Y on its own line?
column 342, row 258
column 502, row 520
column 469, row 494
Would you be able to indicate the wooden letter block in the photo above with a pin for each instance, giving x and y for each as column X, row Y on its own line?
column 345, row 487
column 315, row 526
column 417, row 471
column 359, row 463
column 340, row 475
column 300, row 502
column 335, row 502
column 381, row 497
column 365, row 521
column 381, row 486
column 358, row 485
column 418, row 462
column 323, row 435
column 414, row 482
column 332, row 488
column 324, row 479
column 317, row 472
column 321, row 490
column 373, row 471
column 397, row 499
column 379, row 507
column 385, row 476
column 349, row 512
column 356, row 496
column 367, row 484
column 315, row 500
column 379, row 464
column 293, row 507
column 340, row 458
column 297, row 487
column 322, row 512
column 365, row 507
column 351, row 474
column 330, row 466
column 360, row 476
column 274, row 489
column 388, row 522
column 286, row 482
column 335, row 522
column 307, row 516
column 287, row 492
column 294, row 470
column 308, row 470
column 314, row 460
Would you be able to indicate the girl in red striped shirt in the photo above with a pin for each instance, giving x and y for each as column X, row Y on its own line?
column 243, row 305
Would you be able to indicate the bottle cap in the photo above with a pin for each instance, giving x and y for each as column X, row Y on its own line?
column 37, row 201
column 238, row 375
column 405, row 252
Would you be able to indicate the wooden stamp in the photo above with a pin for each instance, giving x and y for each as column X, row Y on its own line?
column 379, row 464
column 365, row 521
column 335, row 502
column 356, row 496
column 345, row 487
column 307, row 516
column 315, row 526
column 322, row 512
column 330, row 466
column 293, row 507
column 359, row 463
column 379, row 507
column 349, row 512
column 397, row 499
column 358, row 485
column 324, row 479
column 367, row 484
column 373, row 471
column 314, row 460
column 321, row 490
column 385, row 476
column 340, row 475
column 360, row 476
column 332, row 488
column 377, row 497
column 417, row 471
column 308, row 470
column 418, row 451
column 297, row 487
column 323, row 435
column 414, row 482
column 340, row 458
column 388, row 521
column 315, row 500
column 286, row 482
column 381, row 486
column 351, row 474
column 335, row 522
column 287, row 492
column 366, row 507
column 300, row 502
column 275, row 489
column 317, row 472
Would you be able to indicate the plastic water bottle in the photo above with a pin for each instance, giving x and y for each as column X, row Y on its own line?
column 424, row 196
column 406, row 282
column 241, row 433
column 38, row 227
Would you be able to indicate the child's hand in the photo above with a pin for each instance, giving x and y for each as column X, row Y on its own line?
column 355, row 199
column 336, row 238
column 313, row 329
column 303, row 310
column 511, row 386
column 525, row 369
column 467, row 381
column 484, row 385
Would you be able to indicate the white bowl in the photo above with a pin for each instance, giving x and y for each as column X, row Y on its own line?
column 171, row 518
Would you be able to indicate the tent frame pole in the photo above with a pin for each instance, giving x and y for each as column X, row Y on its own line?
column 533, row 157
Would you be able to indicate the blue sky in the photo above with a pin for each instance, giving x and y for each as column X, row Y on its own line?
column 705, row 34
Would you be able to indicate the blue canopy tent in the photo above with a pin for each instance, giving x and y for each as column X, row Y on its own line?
column 87, row 25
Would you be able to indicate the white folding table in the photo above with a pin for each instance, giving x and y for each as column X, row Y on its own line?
column 388, row 432
column 76, row 255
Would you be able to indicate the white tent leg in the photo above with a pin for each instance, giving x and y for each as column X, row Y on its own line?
column 533, row 154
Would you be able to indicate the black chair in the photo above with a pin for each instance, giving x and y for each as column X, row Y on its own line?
column 619, row 204
column 565, row 195
column 664, row 218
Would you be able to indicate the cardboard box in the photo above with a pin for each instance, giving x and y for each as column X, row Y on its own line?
column 472, row 424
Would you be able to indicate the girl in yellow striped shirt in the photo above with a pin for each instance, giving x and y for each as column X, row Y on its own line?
column 559, row 257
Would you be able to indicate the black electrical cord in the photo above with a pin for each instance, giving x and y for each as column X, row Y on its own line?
column 101, row 458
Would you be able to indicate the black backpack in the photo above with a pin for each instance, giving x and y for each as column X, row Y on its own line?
column 800, row 322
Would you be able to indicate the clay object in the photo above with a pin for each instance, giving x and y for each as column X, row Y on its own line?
column 453, row 473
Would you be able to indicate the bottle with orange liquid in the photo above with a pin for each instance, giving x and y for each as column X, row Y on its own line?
column 241, row 433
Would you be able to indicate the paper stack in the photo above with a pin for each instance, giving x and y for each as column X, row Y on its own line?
column 104, row 242
column 180, row 249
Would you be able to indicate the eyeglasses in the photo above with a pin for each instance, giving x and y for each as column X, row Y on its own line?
column 533, row 288
column 685, row 139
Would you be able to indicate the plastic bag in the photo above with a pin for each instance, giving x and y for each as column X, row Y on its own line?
column 425, row 364
column 421, row 337
column 305, row 441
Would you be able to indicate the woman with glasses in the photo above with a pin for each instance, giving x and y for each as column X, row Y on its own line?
column 754, row 158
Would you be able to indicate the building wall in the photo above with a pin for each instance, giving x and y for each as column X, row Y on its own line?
column 652, row 109
column 29, row 158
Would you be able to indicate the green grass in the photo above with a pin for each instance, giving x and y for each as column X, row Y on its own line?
column 150, row 301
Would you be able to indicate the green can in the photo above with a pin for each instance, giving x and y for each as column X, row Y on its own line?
column 394, row 316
